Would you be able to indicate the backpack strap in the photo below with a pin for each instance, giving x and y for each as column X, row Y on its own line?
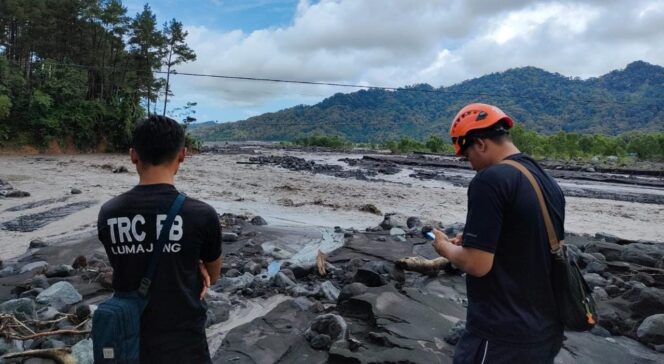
column 159, row 244
column 553, row 240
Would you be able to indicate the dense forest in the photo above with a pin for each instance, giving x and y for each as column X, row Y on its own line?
column 621, row 101
column 81, row 72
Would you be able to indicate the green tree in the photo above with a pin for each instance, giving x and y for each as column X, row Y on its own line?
column 178, row 51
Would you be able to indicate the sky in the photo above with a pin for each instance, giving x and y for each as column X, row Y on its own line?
column 393, row 43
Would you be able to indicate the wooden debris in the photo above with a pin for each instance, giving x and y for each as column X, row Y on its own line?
column 59, row 355
column 423, row 265
column 320, row 263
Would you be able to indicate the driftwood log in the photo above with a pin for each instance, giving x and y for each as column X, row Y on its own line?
column 422, row 265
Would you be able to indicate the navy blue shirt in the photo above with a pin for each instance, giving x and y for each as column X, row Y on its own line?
column 127, row 226
column 514, row 302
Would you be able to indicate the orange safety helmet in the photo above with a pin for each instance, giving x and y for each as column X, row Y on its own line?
column 473, row 117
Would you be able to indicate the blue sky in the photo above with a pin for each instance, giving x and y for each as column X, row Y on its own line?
column 393, row 43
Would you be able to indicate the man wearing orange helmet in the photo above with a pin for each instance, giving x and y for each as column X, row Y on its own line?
column 512, row 316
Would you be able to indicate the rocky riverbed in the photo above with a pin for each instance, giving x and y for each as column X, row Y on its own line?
column 363, row 212
column 349, row 303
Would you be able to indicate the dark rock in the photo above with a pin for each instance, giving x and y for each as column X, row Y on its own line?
column 17, row 194
column 253, row 268
column 232, row 273
column 47, row 313
column 289, row 273
column 229, row 237
column 31, row 293
column 41, row 265
column 607, row 237
column 39, row 281
column 82, row 352
column 229, row 284
column 278, row 334
column 329, row 324
column 595, row 280
column 301, row 271
column 301, row 291
column 612, row 290
column 611, row 251
column 413, row 222
column 329, row 291
column 21, row 308
column 105, row 279
column 596, row 266
column 80, row 262
column 644, row 254
column 600, row 331
column 370, row 209
column 454, row 229
column 258, row 220
column 351, row 290
column 455, row 332
column 121, row 169
column 645, row 301
column 218, row 311
column 81, row 313
column 281, row 280
column 37, row 243
column 60, row 271
column 369, row 278
column 599, row 294
column 321, row 342
column 52, row 344
column 644, row 278
column 76, row 191
column 651, row 330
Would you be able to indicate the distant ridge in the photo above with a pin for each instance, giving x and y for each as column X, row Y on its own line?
column 631, row 99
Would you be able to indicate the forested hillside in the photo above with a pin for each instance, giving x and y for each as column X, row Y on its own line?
column 80, row 72
column 618, row 102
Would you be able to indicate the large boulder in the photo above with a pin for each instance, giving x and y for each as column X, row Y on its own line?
column 645, row 301
column 595, row 280
column 82, row 351
column 21, row 308
column 643, row 254
column 229, row 284
column 611, row 251
column 651, row 330
column 41, row 265
column 326, row 329
column 329, row 291
column 60, row 296
column 351, row 290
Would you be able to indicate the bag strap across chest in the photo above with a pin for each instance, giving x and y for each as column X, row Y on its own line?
column 164, row 233
column 550, row 231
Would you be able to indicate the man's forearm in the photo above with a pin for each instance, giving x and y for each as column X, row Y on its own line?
column 475, row 262
column 457, row 255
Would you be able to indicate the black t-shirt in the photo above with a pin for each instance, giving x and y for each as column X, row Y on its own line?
column 128, row 225
column 514, row 302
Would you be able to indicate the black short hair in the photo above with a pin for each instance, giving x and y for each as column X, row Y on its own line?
column 157, row 139
column 497, row 133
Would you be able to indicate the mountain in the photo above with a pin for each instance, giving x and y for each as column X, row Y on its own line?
column 621, row 101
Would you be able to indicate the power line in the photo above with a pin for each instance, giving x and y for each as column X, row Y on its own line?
column 370, row 87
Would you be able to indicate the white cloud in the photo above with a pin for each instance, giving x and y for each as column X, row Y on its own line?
column 394, row 43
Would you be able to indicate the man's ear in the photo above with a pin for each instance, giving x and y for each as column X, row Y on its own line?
column 133, row 155
column 481, row 145
column 182, row 154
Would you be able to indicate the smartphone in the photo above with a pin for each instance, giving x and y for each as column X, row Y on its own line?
column 430, row 236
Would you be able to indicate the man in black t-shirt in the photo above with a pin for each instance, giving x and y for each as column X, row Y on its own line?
column 504, row 250
column 173, row 323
